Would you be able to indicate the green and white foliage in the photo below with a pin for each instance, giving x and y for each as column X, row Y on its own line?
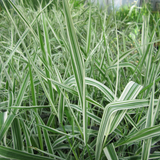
column 77, row 82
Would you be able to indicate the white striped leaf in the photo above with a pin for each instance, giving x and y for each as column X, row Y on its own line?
column 19, row 155
column 77, row 64
column 143, row 134
column 149, row 123
column 92, row 82
column 130, row 92
column 109, row 113
column 110, row 152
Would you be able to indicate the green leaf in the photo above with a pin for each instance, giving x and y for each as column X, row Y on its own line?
column 71, row 90
column 143, row 134
column 149, row 123
column 3, row 117
column 109, row 114
column 92, row 82
column 6, row 125
column 110, row 152
column 130, row 92
column 19, row 155
column 122, row 65
column 45, row 135
column 77, row 64
column 52, row 129
column 22, row 91
column 21, row 39
column 18, row 101
column 88, row 33
column 49, row 154
column 27, row 136
column 130, row 120
column 91, row 115
column 3, row 104
column 61, row 108
column 17, row 135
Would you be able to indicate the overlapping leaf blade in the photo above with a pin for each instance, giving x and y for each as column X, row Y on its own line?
column 92, row 82
column 140, row 135
column 16, row 154
column 110, row 152
column 113, row 119
column 109, row 114
column 77, row 64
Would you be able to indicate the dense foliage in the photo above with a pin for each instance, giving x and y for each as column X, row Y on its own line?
column 79, row 82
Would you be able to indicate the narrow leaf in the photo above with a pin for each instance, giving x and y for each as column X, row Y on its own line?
column 110, row 152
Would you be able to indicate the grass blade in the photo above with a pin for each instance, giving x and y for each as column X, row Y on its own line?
column 92, row 82
column 19, row 99
column 27, row 136
column 22, row 91
column 130, row 92
column 3, row 117
column 16, row 154
column 108, row 115
column 88, row 33
column 143, row 134
column 149, row 123
column 77, row 65
column 110, row 152
column 6, row 126
column 91, row 115
column 16, row 135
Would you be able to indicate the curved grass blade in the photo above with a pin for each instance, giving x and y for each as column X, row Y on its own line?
column 69, row 89
column 122, row 65
column 89, row 81
column 108, row 115
column 149, row 85
column 53, row 130
column 131, row 90
column 124, row 55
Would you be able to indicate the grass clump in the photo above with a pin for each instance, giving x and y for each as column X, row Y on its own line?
column 78, row 83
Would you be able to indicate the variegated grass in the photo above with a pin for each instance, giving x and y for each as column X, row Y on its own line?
column 77, row 83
